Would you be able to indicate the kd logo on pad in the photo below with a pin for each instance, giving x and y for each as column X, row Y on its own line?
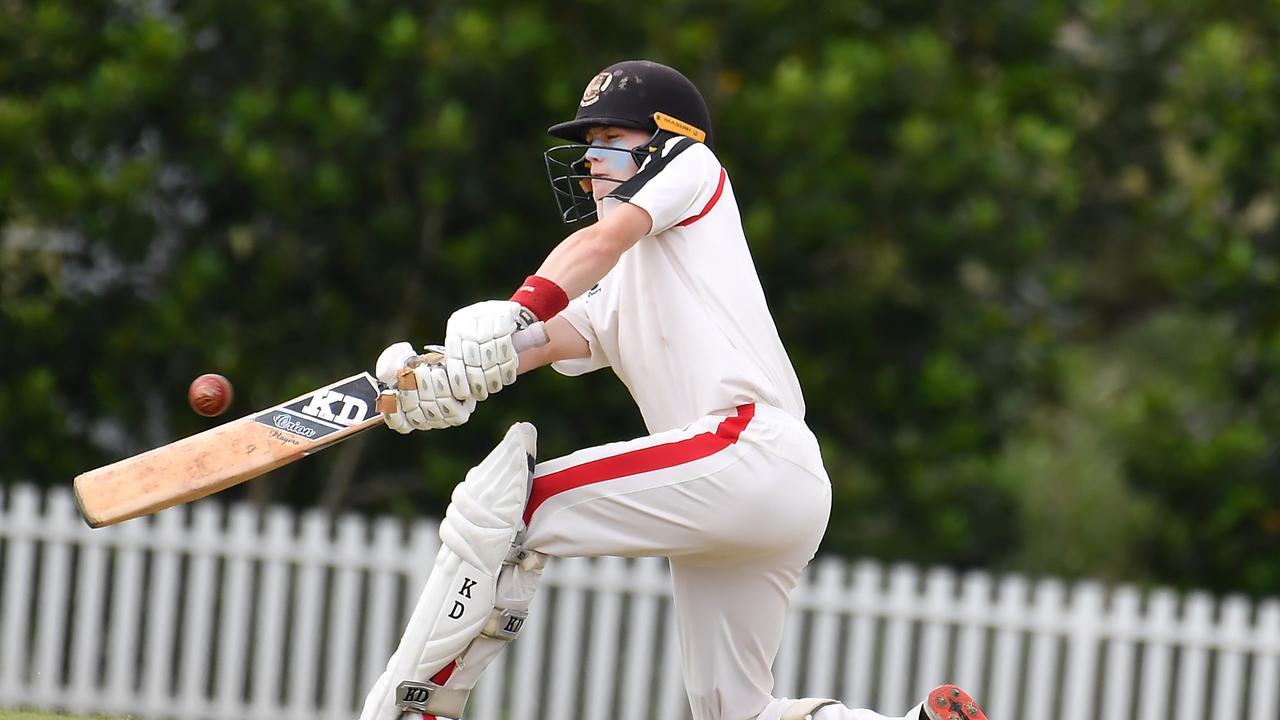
column 459, row 607
column 413, row 696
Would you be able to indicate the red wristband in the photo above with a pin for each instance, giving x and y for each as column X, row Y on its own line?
column 542, row 297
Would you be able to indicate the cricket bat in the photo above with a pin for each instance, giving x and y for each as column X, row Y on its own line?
column 240, row 450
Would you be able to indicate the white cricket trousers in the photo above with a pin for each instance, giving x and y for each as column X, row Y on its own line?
column 729, row 501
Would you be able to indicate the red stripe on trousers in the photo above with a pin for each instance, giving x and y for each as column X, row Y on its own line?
column 439, row 679
column 710, row 203
column 634, row 462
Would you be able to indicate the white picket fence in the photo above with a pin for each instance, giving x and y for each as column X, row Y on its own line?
column 209, row 612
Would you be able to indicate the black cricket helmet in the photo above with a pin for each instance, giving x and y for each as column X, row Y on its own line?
column 632, row 94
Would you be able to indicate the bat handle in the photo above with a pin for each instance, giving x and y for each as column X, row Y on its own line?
column 534, row 336
column 523, row 339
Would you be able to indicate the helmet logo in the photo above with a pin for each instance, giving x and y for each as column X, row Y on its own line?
column 598, row 85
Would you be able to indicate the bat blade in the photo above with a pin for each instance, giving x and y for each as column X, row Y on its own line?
column 216, row 459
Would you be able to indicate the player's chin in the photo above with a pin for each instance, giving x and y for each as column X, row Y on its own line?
column 602, row 187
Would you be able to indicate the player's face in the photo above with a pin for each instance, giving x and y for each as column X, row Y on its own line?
column 611, row 165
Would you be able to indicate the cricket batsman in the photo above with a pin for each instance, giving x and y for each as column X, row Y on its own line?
column 729, row 484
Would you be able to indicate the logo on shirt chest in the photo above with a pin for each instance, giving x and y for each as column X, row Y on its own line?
column 594, row 289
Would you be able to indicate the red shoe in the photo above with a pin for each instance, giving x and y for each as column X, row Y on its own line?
column 948, row 702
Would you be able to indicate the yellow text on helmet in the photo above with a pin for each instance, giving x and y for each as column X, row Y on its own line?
column 679, row 127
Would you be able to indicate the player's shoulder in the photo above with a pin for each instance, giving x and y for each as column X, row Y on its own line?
column 678, row 164
column 688, row 149
column 681, row 156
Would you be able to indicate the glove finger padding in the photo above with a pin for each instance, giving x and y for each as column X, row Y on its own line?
column 509, row 370
column 478, row 383
column 431, row 404
column 482, row 358
column 504, row 349
column 459, row 384
column 471, row 353
column 398, row 422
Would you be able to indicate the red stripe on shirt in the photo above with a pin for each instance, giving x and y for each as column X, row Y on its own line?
column 634, row 462
column 715, row 198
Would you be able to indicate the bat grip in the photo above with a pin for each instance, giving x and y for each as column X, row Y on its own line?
column 523, row 339
column 534, row 336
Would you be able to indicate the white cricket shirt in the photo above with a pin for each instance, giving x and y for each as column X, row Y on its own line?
column 682, row 318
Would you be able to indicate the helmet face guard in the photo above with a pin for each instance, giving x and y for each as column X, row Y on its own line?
column 569, row 171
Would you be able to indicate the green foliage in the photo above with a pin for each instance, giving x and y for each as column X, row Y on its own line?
column 1025, row 256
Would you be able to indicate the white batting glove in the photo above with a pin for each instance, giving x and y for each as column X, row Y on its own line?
column 429, row 404
column 481, row 358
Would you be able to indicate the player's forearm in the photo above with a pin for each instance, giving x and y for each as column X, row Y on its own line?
column 580, row 260
column 586, row 256
column 563, row 343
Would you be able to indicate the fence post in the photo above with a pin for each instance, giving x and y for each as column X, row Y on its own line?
column 1117, row 701
column 200, row 593
column 641, row 626
column 304, row 652
column 87, row 624
column 344, row 611
column 268, row 636
column 606, row 638
column 126, row 592
column 1265, row 682
column 823, row 653
column 862, row 632
column 1082, row 650
column 381, row 619
column 16, row 592
column 233, row 621
column 895, row 668
column 1228, row 680
column 54, row 597
column 1159, row 621
column 567, row 630
column 1043, row 665
column 939, row 600
column 1193, row 661
column 975, row 603
column 1006, row 665
column 167, row 535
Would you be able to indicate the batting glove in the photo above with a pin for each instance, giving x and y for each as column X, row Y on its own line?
column 481, row 357
column 424, row 399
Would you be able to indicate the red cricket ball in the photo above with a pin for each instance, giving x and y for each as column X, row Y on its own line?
column 210, row 394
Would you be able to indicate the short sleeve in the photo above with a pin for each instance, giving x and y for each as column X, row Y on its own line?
column 577, row 316
column 675, row 186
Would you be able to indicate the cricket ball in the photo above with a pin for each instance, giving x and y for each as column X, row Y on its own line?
column 209, row 394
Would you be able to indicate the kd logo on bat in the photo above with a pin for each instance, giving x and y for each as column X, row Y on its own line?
column 325, row 411
column 352, row 411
